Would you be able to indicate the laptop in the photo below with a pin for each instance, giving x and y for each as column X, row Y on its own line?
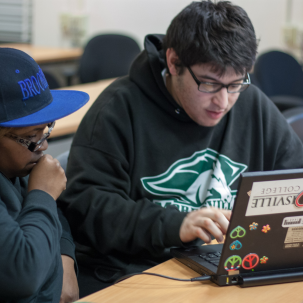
column 264, row 241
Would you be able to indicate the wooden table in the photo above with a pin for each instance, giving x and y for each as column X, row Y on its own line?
column 43, row 55
column 69, row 125
column 150, row 289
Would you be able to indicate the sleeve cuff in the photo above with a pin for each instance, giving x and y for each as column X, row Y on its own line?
column 173, row 229
column 34, row 198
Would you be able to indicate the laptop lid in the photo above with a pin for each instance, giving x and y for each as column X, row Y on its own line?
column 266, row 227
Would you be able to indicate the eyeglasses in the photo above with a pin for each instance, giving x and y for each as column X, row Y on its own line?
column 212, row 87
column 32, row 146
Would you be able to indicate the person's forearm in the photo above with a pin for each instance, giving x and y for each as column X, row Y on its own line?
column 33, row 240
column 70, row 289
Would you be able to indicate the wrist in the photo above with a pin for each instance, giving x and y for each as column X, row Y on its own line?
column 68, row 263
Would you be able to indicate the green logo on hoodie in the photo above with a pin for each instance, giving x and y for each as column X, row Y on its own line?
column 201, row 180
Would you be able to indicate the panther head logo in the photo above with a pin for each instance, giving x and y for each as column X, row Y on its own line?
column 198, row 181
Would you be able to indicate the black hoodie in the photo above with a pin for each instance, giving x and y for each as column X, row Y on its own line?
column 138, row 163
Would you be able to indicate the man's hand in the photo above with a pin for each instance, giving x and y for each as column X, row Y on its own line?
column 70, row 289
column 203, row 223
column 47, row 175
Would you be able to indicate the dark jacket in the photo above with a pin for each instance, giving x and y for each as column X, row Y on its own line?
column 128, row 190
column 30, row 231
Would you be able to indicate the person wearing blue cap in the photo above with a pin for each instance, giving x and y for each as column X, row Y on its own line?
column 30, row 182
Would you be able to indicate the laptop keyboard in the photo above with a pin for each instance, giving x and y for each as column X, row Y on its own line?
column 212, row 258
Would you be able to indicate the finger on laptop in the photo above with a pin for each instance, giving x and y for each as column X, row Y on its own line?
column 220, row 216
column 226, row 213
column 204, row 222
column 203, row 234
column 195, row 226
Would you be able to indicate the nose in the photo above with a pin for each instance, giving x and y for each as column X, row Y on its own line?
column 44, row 146
column 220, row 98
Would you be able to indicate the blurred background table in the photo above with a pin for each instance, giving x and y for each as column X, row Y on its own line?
column 43, row 55
column 68, row 125
column 62, row 136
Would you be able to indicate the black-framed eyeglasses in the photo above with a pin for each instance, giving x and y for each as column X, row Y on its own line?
column 32, row 146
column 212, row 87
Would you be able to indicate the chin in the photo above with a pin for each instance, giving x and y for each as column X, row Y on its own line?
column 204, row 120
column 208, row 123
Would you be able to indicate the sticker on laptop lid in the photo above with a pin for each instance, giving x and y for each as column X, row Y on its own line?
column 236, row 245
column 299, row 199
column 294, row 237
column 253, row 226
column 237, row 232
column 266, row 228
column 274, row 197
column 264, row 260
column 232, row 263
column 250, row 261
column 292, row 221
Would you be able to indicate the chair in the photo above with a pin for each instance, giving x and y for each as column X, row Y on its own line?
column 51, row 80
column 253, row 79
column 294, row 116
column 63, row 158
column 280, row 77
column 107, row 56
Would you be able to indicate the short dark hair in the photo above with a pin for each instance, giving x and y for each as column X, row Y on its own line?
column 217, row 33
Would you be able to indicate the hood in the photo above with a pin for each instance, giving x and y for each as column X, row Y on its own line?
column 146, row 73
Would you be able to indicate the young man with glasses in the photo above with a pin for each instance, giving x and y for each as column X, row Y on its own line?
column 30, row 183
column 156, row 161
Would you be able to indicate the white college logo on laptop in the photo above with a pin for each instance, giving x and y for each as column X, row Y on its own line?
column 274, row 197
column 201, row 180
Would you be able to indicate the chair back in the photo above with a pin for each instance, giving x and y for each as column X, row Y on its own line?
column 278, row 73
column 107, row 56
column 63, row 158
column 294, row 116
column 53, row 83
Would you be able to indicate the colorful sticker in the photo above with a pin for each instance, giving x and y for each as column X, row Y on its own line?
column 263, row 260
column 233, row 263
column 238, row 232
column 250, row 261
column 265, row 228
column 294, row 237
column 253, row 226
column 299, row 199
column 236, row 245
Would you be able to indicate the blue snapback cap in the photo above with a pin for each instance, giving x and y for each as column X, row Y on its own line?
column 25, row 98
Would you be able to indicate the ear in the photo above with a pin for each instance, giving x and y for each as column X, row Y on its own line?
column 171, row 59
